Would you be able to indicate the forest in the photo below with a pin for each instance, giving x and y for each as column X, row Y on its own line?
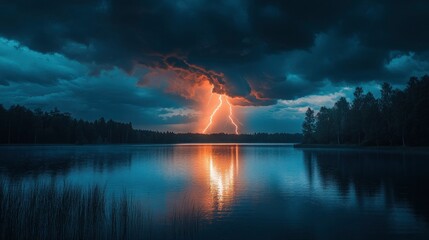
column 397, row 118
column 20, row 125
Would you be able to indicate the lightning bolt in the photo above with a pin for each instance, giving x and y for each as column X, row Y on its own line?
column 213, row 113
column 230, row 116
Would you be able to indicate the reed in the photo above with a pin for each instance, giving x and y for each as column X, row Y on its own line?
column 64, row 211
column 185, row 220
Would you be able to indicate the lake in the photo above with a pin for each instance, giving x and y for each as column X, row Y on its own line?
column 254, row 191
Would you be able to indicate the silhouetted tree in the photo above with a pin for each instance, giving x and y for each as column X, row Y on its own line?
column 386, row 112
column 340, row 114
column 370, row 119
column 398, row 117
column 4, row 124
column 308, row 127
column 324, row 125
column 417, row 111
column 356, row 117
column 21, row 125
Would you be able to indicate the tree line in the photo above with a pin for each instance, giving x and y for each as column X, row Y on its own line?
column 20, row 125
column 398, row 117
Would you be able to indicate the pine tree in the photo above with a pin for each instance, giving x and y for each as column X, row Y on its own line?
column 309, row 125
column 341, row 113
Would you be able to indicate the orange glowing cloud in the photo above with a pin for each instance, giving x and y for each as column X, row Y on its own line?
column 176, row 76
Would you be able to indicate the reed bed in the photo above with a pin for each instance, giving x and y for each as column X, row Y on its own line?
column 65, row 211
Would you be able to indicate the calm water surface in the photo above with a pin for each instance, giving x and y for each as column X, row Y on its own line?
column 250, row 191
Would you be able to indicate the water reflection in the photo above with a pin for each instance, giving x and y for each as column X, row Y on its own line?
column 222, row 172
column 395, row 177
column 252, row 192
column 212, row 173
column 18, row 162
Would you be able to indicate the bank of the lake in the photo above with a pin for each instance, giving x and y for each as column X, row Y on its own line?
column 361, row 147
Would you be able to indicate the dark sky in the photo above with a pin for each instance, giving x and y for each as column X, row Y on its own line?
column 155, row 62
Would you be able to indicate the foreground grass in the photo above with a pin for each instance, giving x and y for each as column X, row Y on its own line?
column 51, row 211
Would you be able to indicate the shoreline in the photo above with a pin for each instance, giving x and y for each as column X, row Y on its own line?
column 293, row 145
column 154, row 144
column 360, row 147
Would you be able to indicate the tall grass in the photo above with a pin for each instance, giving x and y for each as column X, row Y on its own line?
column 64, row 211
column 185, row 221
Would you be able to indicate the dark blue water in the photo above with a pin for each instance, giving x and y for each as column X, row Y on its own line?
column 250, row 191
